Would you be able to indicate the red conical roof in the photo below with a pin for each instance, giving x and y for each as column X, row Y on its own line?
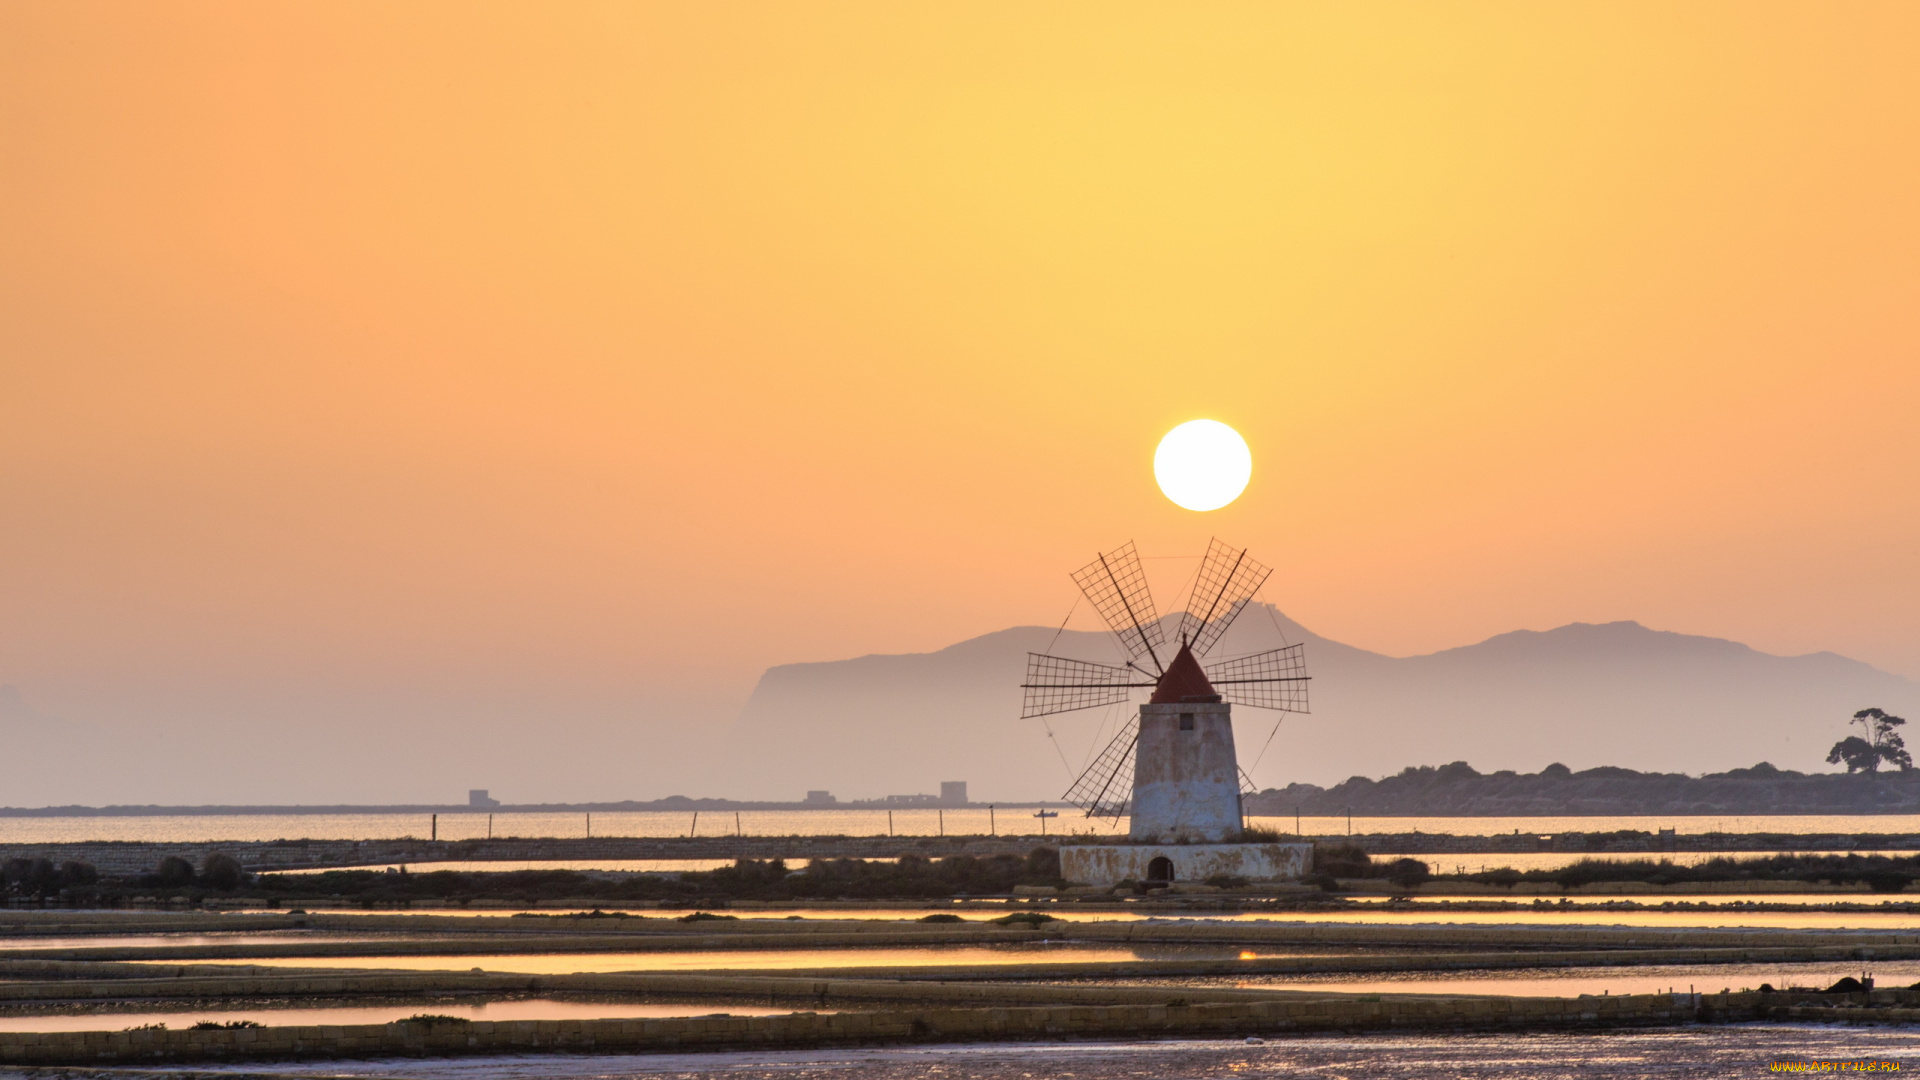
column 1183, row 680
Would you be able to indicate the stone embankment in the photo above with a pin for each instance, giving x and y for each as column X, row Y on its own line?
column 131, row 857
column 1060, row 969
column 128, row 982
column 633, row 934
column 1653, row 845
column 1256, row 1018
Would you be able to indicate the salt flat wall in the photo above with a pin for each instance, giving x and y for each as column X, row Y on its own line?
column 1109, row 864
column 813, row 1029
column 122, row 857
column 136, row 857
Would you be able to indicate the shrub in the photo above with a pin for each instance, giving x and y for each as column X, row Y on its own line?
column 1342, row 860
column 747, row 879
column 1587, row 871
column 942, row 917
column 707, row 916
column 1258, row 835
column 231, row 1025
column 173, row 870
column 1505, row 877
column 223, row 872
column 30, row 875
column 1022, row 918
column 1407, row 873
column 78, row 873
column 1043, row 866
column 1886, row 880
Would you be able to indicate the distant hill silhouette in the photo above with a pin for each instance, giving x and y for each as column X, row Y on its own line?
column 1457, row 789
column 1587, row 695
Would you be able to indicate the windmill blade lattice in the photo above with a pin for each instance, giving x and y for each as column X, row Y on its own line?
column 1117, row 587
column 1056, row 684
column 1275, row 679
column 1106, row 787
column 1227, row 580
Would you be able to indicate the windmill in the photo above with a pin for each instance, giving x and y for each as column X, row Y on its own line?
column 1172, row 765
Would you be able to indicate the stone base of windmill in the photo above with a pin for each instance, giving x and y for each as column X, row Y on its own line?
column 1110, row 864
column 1185, row 810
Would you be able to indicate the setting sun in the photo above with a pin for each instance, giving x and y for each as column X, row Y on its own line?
column 1203, row 465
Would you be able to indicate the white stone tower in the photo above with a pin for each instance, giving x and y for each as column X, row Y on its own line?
column 1186, row 782
column 1186, row 777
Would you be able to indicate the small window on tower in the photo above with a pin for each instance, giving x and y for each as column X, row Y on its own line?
column 1186, row 721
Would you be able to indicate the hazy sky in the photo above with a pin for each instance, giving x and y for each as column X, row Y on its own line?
column 562, row 365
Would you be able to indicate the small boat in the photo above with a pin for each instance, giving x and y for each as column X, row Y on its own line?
column 1048, row 813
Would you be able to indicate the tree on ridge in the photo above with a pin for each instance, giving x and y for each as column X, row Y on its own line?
column 1882, row 743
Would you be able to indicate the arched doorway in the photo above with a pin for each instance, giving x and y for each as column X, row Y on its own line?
column 1160, row 869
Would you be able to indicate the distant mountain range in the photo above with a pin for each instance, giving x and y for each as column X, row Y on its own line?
column 1584, row 695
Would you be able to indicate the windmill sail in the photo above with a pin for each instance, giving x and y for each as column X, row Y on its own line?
column 1117, row 587
column 1056, row 684
column 1227, row 580
column 1275, row 679
column 1106, row 787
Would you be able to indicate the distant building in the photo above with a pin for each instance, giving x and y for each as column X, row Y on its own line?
column 953, row 792
column 477, row 798
column 912, row 800
column 821, row 798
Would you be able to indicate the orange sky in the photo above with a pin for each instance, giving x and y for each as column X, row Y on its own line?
column 423, row 354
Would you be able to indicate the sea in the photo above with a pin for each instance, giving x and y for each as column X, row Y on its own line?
column 915, row 822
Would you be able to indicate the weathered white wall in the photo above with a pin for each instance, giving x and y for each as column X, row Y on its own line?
column 1186, row 784
column 1109, row 864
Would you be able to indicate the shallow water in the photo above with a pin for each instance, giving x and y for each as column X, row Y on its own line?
column 99, row 941
column 1378, row 912
column 1691, row 1053
column 1415, row 914
column 464, row 825
column 1569, row 982
column 1370, row 911
column 1439, row 864
column 1553, row 982
column 503, row 866
column 536, row 1009
column 1554, row 860
column 767, row 959
column 1549, row 825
